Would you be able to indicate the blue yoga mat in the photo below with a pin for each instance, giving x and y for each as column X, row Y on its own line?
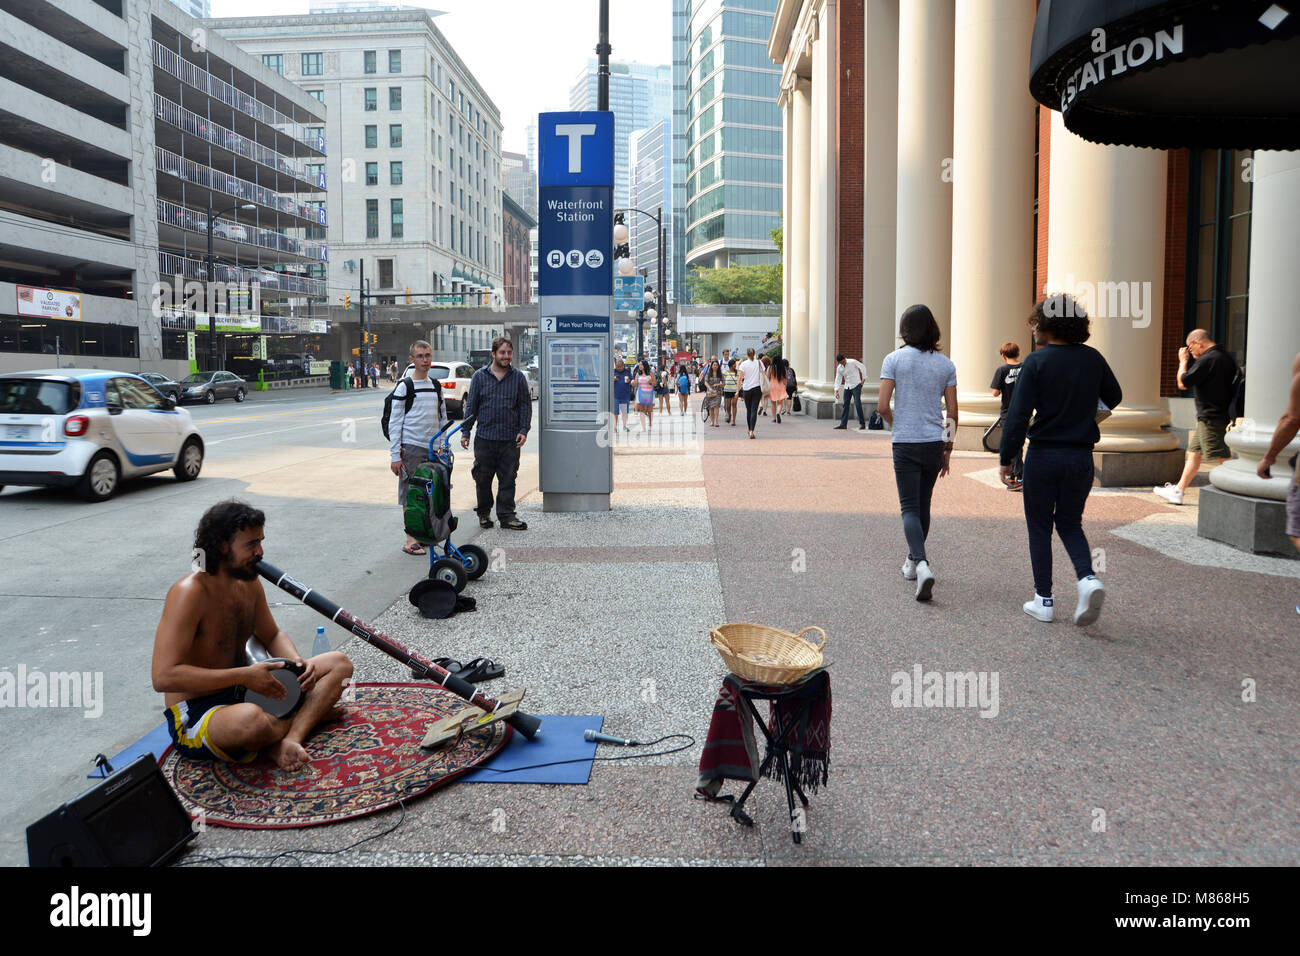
column 154, row 742
column 560, row 739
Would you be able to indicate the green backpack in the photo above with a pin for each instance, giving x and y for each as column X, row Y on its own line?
column 427, row 509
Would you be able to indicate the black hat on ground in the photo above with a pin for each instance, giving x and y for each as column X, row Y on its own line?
column 434, row 598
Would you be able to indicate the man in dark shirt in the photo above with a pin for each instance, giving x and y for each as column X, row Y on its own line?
column 1004, row 385
column 1211, row 375
column 498, row 402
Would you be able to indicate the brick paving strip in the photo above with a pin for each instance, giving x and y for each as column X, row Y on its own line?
column 1138, row 721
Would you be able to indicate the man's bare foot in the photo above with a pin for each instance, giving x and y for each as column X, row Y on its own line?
column 288, row 754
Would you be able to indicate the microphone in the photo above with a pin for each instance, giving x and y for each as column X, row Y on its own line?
column 607, row 739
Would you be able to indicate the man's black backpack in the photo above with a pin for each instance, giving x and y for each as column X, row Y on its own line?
column 1237, row 404
column 407, row 402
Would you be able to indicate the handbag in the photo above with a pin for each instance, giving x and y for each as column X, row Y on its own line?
column 795, row 404
column 875, row 423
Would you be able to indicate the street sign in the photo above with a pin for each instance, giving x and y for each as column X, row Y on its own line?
column 577, row 149
column 574, row 238
column 629, row 293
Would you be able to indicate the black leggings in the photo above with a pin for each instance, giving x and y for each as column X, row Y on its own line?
column 752, row 397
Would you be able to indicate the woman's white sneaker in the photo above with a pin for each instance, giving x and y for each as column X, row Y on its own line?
column 924, row 581
column 1040, row 608
column 909, row 569
column 1091, row 596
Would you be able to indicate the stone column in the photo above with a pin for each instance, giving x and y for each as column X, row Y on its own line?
column 1105, row 244
column 1242, row 508
column 880, row 172
column 823, row 254
column 924, row 228
column 797, row 236
column 993, row 200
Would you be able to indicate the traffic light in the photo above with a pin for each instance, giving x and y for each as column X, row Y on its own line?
column 347, row 300
column 408, row 295
column 356, row 352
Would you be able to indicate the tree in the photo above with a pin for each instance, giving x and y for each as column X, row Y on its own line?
column 738, row 285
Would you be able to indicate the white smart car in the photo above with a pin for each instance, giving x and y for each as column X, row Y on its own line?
column 89, row 429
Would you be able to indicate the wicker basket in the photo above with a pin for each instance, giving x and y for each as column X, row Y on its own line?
column 765, row 654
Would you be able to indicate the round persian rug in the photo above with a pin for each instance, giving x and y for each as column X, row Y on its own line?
column 363, row 764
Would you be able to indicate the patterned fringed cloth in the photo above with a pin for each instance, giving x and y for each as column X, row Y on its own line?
column 730, row 750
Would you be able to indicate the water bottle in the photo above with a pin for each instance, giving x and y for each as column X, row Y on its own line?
column 321, row 645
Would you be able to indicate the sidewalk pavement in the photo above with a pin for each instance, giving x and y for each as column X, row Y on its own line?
column 1129, row 742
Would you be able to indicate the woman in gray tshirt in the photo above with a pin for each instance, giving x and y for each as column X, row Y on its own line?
column 918, row 377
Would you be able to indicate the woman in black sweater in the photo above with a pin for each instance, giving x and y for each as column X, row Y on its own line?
column 1065, row 385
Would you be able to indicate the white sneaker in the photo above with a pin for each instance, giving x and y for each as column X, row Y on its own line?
column 1091, row 596
column 909, row 570
column 1171, row 493
column 1040, row 608
column 924, row 581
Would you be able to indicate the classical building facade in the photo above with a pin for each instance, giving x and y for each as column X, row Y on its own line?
column 919, row 169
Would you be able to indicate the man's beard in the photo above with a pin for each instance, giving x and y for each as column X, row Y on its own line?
column 240, row 572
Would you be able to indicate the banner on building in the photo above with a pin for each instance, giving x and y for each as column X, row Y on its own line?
column 49, row 303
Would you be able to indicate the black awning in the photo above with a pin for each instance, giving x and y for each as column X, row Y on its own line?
column 1171, row 73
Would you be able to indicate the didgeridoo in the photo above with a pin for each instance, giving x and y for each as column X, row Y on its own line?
column 526, row 724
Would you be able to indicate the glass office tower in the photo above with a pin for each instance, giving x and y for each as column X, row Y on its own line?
column 733, row 133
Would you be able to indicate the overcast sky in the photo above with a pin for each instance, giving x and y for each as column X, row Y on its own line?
column 525, row 53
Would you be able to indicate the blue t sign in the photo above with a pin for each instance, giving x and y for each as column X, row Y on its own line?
column 575, row 214
column 577, row 149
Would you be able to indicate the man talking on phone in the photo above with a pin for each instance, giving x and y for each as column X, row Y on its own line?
column 499, row 405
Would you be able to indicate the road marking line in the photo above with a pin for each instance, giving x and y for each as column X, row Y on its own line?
column 291, row 428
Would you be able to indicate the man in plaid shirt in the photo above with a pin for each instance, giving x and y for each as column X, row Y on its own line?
column 499, row 404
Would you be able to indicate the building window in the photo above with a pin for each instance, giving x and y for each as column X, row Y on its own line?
column 372, row 218
column 315, row 132
column 453, row 233
column 372, row 101
column 395, row 136
column 311, row 64
column 395, row 174
column 394, row 97
column 385, row 273
column 369, row 58
column 372, row 174
column 315, row 232
column 372, row 137
column 275, row 61
column 317, row 95
column 1218, row 219
column 395, row 218
column 394, row 61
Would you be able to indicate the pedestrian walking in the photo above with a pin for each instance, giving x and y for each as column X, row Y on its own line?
column 684, row 388
column 1286, row 429
column 729, row 382
column 499, row 405
column 1212, row 376
column 713, row 382
column 418, row 413
column 622, row 392
column 765, row 384
column 751, row 387
column 1066, row 386
column 791, row 387
column 850, row 374
column 917, row 376
column 646, row 388
column 663, row 388
column 1004, row 386
column 776, row 392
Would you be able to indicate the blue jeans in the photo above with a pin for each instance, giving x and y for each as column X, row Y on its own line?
column 856, row 392
column 1056, row 486
column 916, row 469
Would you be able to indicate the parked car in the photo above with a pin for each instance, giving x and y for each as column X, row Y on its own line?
column 165, row 385
column 89, row 429
column 210, row 386
column 454, row 377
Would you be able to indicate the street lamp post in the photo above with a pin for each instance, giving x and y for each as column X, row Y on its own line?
column 212, row 278
column 626, row 268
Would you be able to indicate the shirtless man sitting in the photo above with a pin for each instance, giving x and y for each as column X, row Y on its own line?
column 199, row 661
